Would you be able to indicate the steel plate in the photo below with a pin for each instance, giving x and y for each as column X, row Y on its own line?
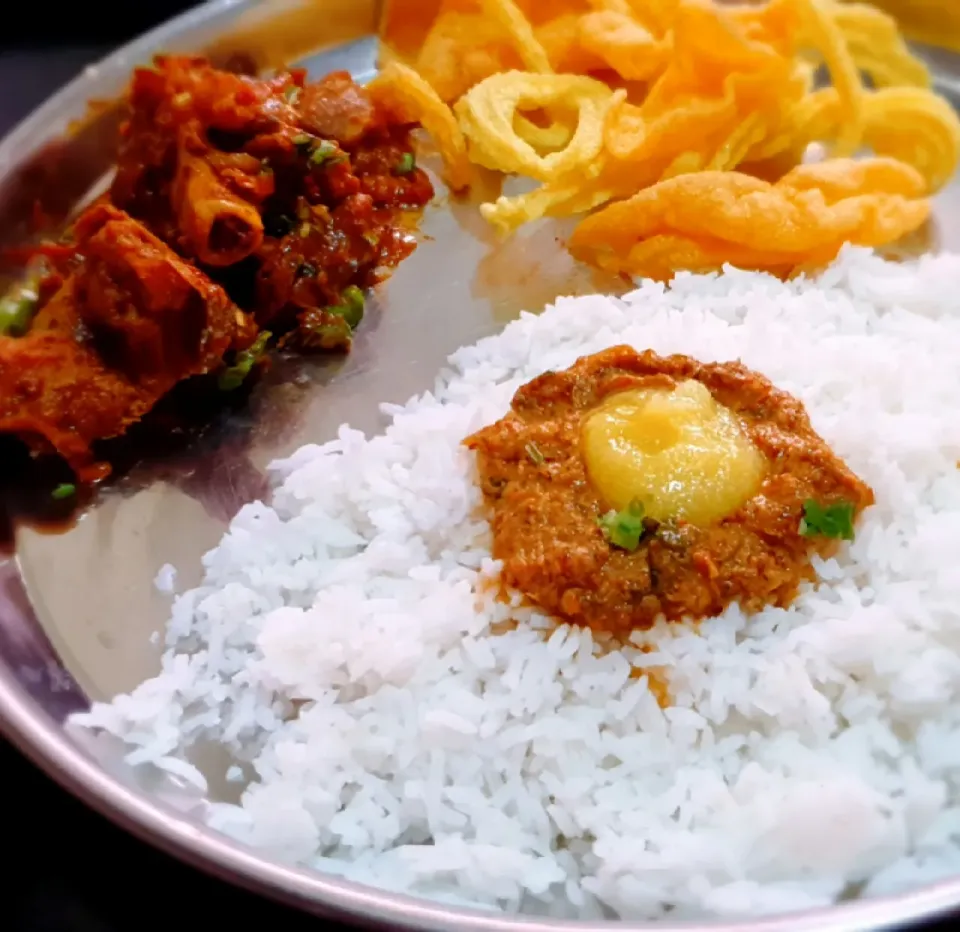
column 79, row 610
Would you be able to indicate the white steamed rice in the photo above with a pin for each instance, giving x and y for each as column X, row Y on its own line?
column 342, row 645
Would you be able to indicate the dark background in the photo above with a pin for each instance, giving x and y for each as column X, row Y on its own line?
column 67, row 869
column 43, row 46
column 95, row 21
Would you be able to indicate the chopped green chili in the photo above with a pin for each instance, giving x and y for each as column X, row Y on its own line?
column 233, row 376
column 352, row 307
column 63, row 491
column 834, row 521
column 329, row 335
column 625, row 528
column 355, row 304
column 324, row 151
column 406, row 164
column 16, row 312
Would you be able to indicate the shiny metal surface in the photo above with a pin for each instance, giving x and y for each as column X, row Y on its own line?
column 78, row 609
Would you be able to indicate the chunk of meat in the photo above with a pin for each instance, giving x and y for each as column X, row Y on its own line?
column 129, row 323
column 336, row 108
column 180, row 159
column 230, row 192
column 216, row 224
column 57, row 395
column 151, row 314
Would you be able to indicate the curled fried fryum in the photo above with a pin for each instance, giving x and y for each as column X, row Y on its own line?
column 564, row 196
column 733, row 150
column 682, row 126
column 549, row 137
column 932, row 22
column 670, row 135
column 693, row 87
column 520, row 32
column 461, row 50
column 487, row 116
column 624, row 45
column 776, row 23
column 471, row 41
column 655, row 15
column 708, row 47
column 877, row 47
column 872, row 37
column 641, row 148
column 829, row 40
column 837, row 179
column 403, row 92
column 917, row 127
column 911, row 124
column 560, row 39
column 701, row 221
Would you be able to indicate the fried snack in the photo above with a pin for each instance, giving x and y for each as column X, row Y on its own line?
column 682, row 125
column 472, row 41
column 603, row 101
column 488, row 112
column 934, row 22
column 918, row 128
column 460, row 51
column 624, row 45
column 828, row 38
column 519, row 31
column 701, row 221
column 878, row 48
column 905, row 123
column 401, row 91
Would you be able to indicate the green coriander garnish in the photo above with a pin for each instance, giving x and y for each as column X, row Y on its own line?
column 406, row 164
column 16, row 312
column 834, row 521
column 624, row 529
column 62, row 491
column 233, row 376
column 323, row 152
column 533, row 451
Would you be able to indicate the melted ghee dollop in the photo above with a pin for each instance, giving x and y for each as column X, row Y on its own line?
column 680, row 452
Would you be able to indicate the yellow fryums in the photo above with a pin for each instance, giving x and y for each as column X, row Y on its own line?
column 680, row 452
column 936, row 22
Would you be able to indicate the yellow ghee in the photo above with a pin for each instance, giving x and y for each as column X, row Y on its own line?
column 683, row 455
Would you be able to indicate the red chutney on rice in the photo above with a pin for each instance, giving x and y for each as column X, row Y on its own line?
column 633, row 486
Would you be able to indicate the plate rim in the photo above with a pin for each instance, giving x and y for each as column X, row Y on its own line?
column 49, row 746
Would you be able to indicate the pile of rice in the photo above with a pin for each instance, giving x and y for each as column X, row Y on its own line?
column 387, row 726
